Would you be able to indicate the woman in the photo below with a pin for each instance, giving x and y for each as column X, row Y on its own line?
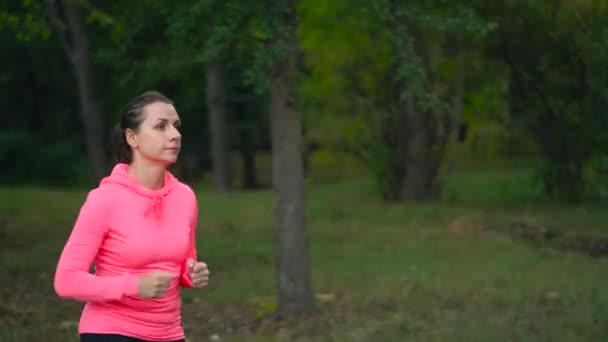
column 138, row 228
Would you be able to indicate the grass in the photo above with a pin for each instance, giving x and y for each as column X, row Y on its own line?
column 451, row 270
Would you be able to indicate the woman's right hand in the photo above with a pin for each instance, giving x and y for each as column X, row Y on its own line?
column 154, row 284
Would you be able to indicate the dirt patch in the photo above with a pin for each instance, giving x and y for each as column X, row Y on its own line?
column 465, row 227
column 203, row 321
column 532, row 232
column 592, row 246
column 595, row 246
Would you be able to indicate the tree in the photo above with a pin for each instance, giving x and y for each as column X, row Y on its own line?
column 295, row 295
column 68, row 20
column 556, row 53
column 203, row 28
column 220, row 144
column 380, row 70
column 224, row 44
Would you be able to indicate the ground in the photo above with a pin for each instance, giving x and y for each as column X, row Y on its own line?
column 490, row 261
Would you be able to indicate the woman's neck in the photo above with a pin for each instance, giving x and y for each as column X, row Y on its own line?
column 150, row 175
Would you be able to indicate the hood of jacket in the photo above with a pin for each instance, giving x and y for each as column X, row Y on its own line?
column 154, row 198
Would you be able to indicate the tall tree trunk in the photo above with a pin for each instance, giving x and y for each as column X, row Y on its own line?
column 248, row 149
column 295, row 295
column 418, row 134
column 424, row 148
column 457, row 127
column 457, row 124
column 77, row 51
column 220, row 146
column 421, row 160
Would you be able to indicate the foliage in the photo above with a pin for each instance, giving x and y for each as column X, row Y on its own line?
column 533, row 72
column 365, row 60
column 557, row 53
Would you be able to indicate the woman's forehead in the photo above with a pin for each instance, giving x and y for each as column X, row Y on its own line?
column 161, row 110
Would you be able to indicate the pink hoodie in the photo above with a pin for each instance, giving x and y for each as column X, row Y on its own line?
column 128, row 230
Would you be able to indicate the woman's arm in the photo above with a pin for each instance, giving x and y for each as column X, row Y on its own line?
column 72, row 277
column 185, row 279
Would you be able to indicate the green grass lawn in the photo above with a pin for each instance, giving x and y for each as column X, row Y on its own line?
column 453, row 270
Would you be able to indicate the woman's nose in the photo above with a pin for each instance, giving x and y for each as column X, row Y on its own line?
column 175, row 134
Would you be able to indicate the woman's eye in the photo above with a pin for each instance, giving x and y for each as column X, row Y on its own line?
column 160, row 126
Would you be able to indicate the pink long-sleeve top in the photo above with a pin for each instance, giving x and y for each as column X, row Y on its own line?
column 127, row 230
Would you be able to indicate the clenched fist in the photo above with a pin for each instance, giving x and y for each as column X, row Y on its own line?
column 199, row 273
column 154, row 284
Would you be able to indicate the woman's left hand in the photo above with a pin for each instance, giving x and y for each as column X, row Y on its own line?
column 199, row 273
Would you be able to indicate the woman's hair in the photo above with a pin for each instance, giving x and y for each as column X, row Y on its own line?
column 131, row 118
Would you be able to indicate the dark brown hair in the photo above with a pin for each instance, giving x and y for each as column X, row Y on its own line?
column 131, row 118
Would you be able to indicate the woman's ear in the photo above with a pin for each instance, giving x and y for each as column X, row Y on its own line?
column 131, row 138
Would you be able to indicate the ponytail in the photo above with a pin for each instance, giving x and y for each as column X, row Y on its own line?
column 122, row 150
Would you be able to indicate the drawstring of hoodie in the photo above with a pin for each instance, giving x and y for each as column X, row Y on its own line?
column 155, row 206
column 153, row 198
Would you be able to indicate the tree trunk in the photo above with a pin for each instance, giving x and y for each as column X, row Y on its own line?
column 220, row 148
column 79, row 55
column 295, row 295
column 416, row 133
column 422, row 162
column 414, row 157
column 457, row 127
column 248, row 149
column 457, row 124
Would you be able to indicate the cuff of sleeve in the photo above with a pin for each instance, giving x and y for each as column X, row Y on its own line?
column 130, row 285
column 185, row 279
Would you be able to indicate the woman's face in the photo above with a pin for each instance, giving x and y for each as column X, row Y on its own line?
column 158, row 139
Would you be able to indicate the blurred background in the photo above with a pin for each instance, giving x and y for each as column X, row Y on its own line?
column 455, row 157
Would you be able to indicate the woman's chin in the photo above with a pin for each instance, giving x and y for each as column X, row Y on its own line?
column 170, row 161
column 166, row 161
